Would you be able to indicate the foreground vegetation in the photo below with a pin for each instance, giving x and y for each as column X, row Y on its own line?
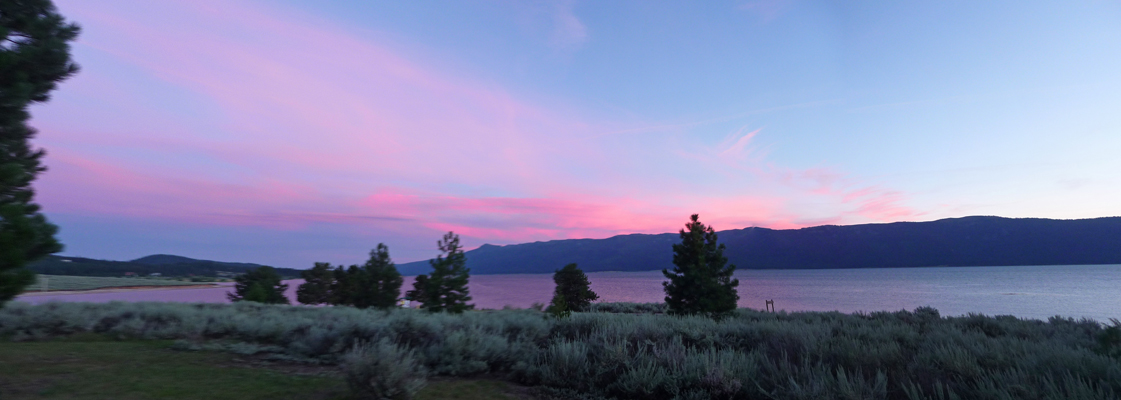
column 88, row 368
column 747, row 355
column 92, row 367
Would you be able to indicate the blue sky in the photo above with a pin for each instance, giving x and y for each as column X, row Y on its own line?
column 294, row 132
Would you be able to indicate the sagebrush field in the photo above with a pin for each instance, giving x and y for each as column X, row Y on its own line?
column 751, row 354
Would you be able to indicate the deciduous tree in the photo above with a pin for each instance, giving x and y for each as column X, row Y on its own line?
column 262, row 285
column 34, row 57
column 701, row 281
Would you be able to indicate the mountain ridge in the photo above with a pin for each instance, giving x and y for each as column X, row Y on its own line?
column 964, row 241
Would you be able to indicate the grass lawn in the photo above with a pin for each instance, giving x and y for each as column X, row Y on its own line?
column 92, row 368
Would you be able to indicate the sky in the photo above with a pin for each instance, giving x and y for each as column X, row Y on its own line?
column 290, row 132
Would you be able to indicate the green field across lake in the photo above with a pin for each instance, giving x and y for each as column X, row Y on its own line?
column 65, row 282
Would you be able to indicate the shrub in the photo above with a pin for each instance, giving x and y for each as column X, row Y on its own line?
column 383, row 371
column 1109, row 340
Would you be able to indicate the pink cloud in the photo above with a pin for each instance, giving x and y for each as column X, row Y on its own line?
column 312, row 124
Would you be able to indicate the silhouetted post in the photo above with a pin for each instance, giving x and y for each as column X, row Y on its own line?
column 770, row 305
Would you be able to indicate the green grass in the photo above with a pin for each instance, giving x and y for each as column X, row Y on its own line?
column 144, row 370
column 64, row 282
column 87, row 366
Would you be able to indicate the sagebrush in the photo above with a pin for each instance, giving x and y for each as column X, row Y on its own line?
column 748, row 355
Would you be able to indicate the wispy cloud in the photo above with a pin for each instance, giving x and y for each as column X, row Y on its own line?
column 568, row 32
column 294, row 123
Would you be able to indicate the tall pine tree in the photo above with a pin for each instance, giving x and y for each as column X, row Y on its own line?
column 34, row 57
column 382, row 285
column 445, row 289
column 701, row 281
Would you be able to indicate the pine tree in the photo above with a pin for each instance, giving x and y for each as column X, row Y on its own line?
column 316, row 288
column 375, row 284
column 420, row 290
column 261, row 284
column 34, row 57
column 345, row 289
column 445, row 289
column 573, row 287
column 700, row 283
column 382, row 284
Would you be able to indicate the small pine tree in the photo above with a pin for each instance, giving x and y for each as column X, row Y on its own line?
column 262, row 285
column 573, row 287
column 316, row 288
column 382, row 284
column 700, row 283
column 445, row 288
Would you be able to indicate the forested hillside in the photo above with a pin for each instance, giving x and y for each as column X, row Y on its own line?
column 167, row 265
column 969, row 241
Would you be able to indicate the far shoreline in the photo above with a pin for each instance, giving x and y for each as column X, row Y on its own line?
column 120, row 289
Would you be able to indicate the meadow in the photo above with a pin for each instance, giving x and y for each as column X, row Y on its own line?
column 631, row 351
column 66, row 282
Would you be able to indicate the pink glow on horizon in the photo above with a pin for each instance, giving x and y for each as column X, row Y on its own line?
column 374, row 136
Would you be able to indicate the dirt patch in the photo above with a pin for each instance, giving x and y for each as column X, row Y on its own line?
column 285, row 367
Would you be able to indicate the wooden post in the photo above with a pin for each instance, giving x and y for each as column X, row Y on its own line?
column 770, row 305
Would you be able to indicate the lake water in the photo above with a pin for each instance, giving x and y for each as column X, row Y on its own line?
column 1092, row 291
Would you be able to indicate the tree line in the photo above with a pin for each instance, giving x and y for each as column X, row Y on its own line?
column 700, row 283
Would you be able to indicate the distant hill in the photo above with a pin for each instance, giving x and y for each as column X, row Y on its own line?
column 167, row 259
column 163, row 259
column 968, row 241
column 168, row 265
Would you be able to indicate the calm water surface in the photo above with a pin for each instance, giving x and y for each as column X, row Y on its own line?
column 1092, row 291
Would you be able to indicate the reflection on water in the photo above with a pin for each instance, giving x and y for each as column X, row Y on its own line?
column 1092, row 291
